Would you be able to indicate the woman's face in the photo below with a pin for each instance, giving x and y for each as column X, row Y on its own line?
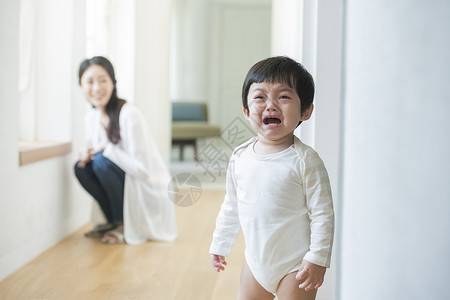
column 97, row 86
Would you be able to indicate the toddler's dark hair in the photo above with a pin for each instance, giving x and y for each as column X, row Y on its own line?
column 281, row 69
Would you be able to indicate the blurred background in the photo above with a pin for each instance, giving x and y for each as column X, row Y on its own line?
column 381, row 122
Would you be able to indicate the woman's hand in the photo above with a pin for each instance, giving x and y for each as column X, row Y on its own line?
column 85, row 157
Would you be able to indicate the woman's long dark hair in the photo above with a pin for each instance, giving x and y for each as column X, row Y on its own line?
column 115, row 103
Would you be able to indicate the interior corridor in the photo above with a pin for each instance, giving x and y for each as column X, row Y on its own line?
column 84, row 268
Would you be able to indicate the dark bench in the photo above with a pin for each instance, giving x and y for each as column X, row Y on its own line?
column 189, row 123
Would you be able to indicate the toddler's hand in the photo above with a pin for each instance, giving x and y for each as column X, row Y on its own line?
column 310, row 275
column 218, row 262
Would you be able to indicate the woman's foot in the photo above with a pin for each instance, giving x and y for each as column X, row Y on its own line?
column 100, row 230
column 114, row 236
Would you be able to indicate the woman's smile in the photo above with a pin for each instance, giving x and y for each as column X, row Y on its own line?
column 97, row 86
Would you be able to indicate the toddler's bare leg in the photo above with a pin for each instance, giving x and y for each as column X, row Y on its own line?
column 249, row 288
column 289, row 290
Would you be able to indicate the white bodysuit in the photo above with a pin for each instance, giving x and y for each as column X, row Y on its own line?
column 283, row 204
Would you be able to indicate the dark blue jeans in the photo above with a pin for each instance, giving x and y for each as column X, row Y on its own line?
column 105, row 181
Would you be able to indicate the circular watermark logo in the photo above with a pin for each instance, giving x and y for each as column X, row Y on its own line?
column 184, row 189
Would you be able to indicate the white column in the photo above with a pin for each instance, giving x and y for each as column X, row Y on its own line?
column 152, row 69
column 311, row 32
column 287, row 28
column 294, row 30
column 327, row 130
column 309, row 58
column 396, row 225
column 122, row 43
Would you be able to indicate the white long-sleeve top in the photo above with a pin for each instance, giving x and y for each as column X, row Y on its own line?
column 283, row 204
column 148, row 211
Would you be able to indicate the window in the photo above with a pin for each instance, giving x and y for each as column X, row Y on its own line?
column 45, row 75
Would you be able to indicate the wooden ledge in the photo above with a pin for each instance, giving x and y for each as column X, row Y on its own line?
column 30, row 152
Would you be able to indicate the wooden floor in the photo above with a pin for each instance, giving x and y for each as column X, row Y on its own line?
column 82, row 268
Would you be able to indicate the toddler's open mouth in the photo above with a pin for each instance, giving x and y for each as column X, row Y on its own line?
column 271, row 121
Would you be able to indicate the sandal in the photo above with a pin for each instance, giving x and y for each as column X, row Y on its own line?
column 100, row 230
column 114, row 236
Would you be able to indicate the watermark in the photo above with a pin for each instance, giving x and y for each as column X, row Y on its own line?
column 214, row 158
column 236, row 133
column 184, row 189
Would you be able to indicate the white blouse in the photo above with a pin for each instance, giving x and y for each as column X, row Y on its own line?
column 148, row 210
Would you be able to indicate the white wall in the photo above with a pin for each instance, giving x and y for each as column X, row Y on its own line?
column 134, row 35
column 396, row 166
column 122, row 48
column 327, row 106
column 39, row 203
column 41, row 61
column 241, row 38
column 151, row 69
column 110, row 32
column 190, row 50
column 214, row 43
column 54, row 64
column 9, row 30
